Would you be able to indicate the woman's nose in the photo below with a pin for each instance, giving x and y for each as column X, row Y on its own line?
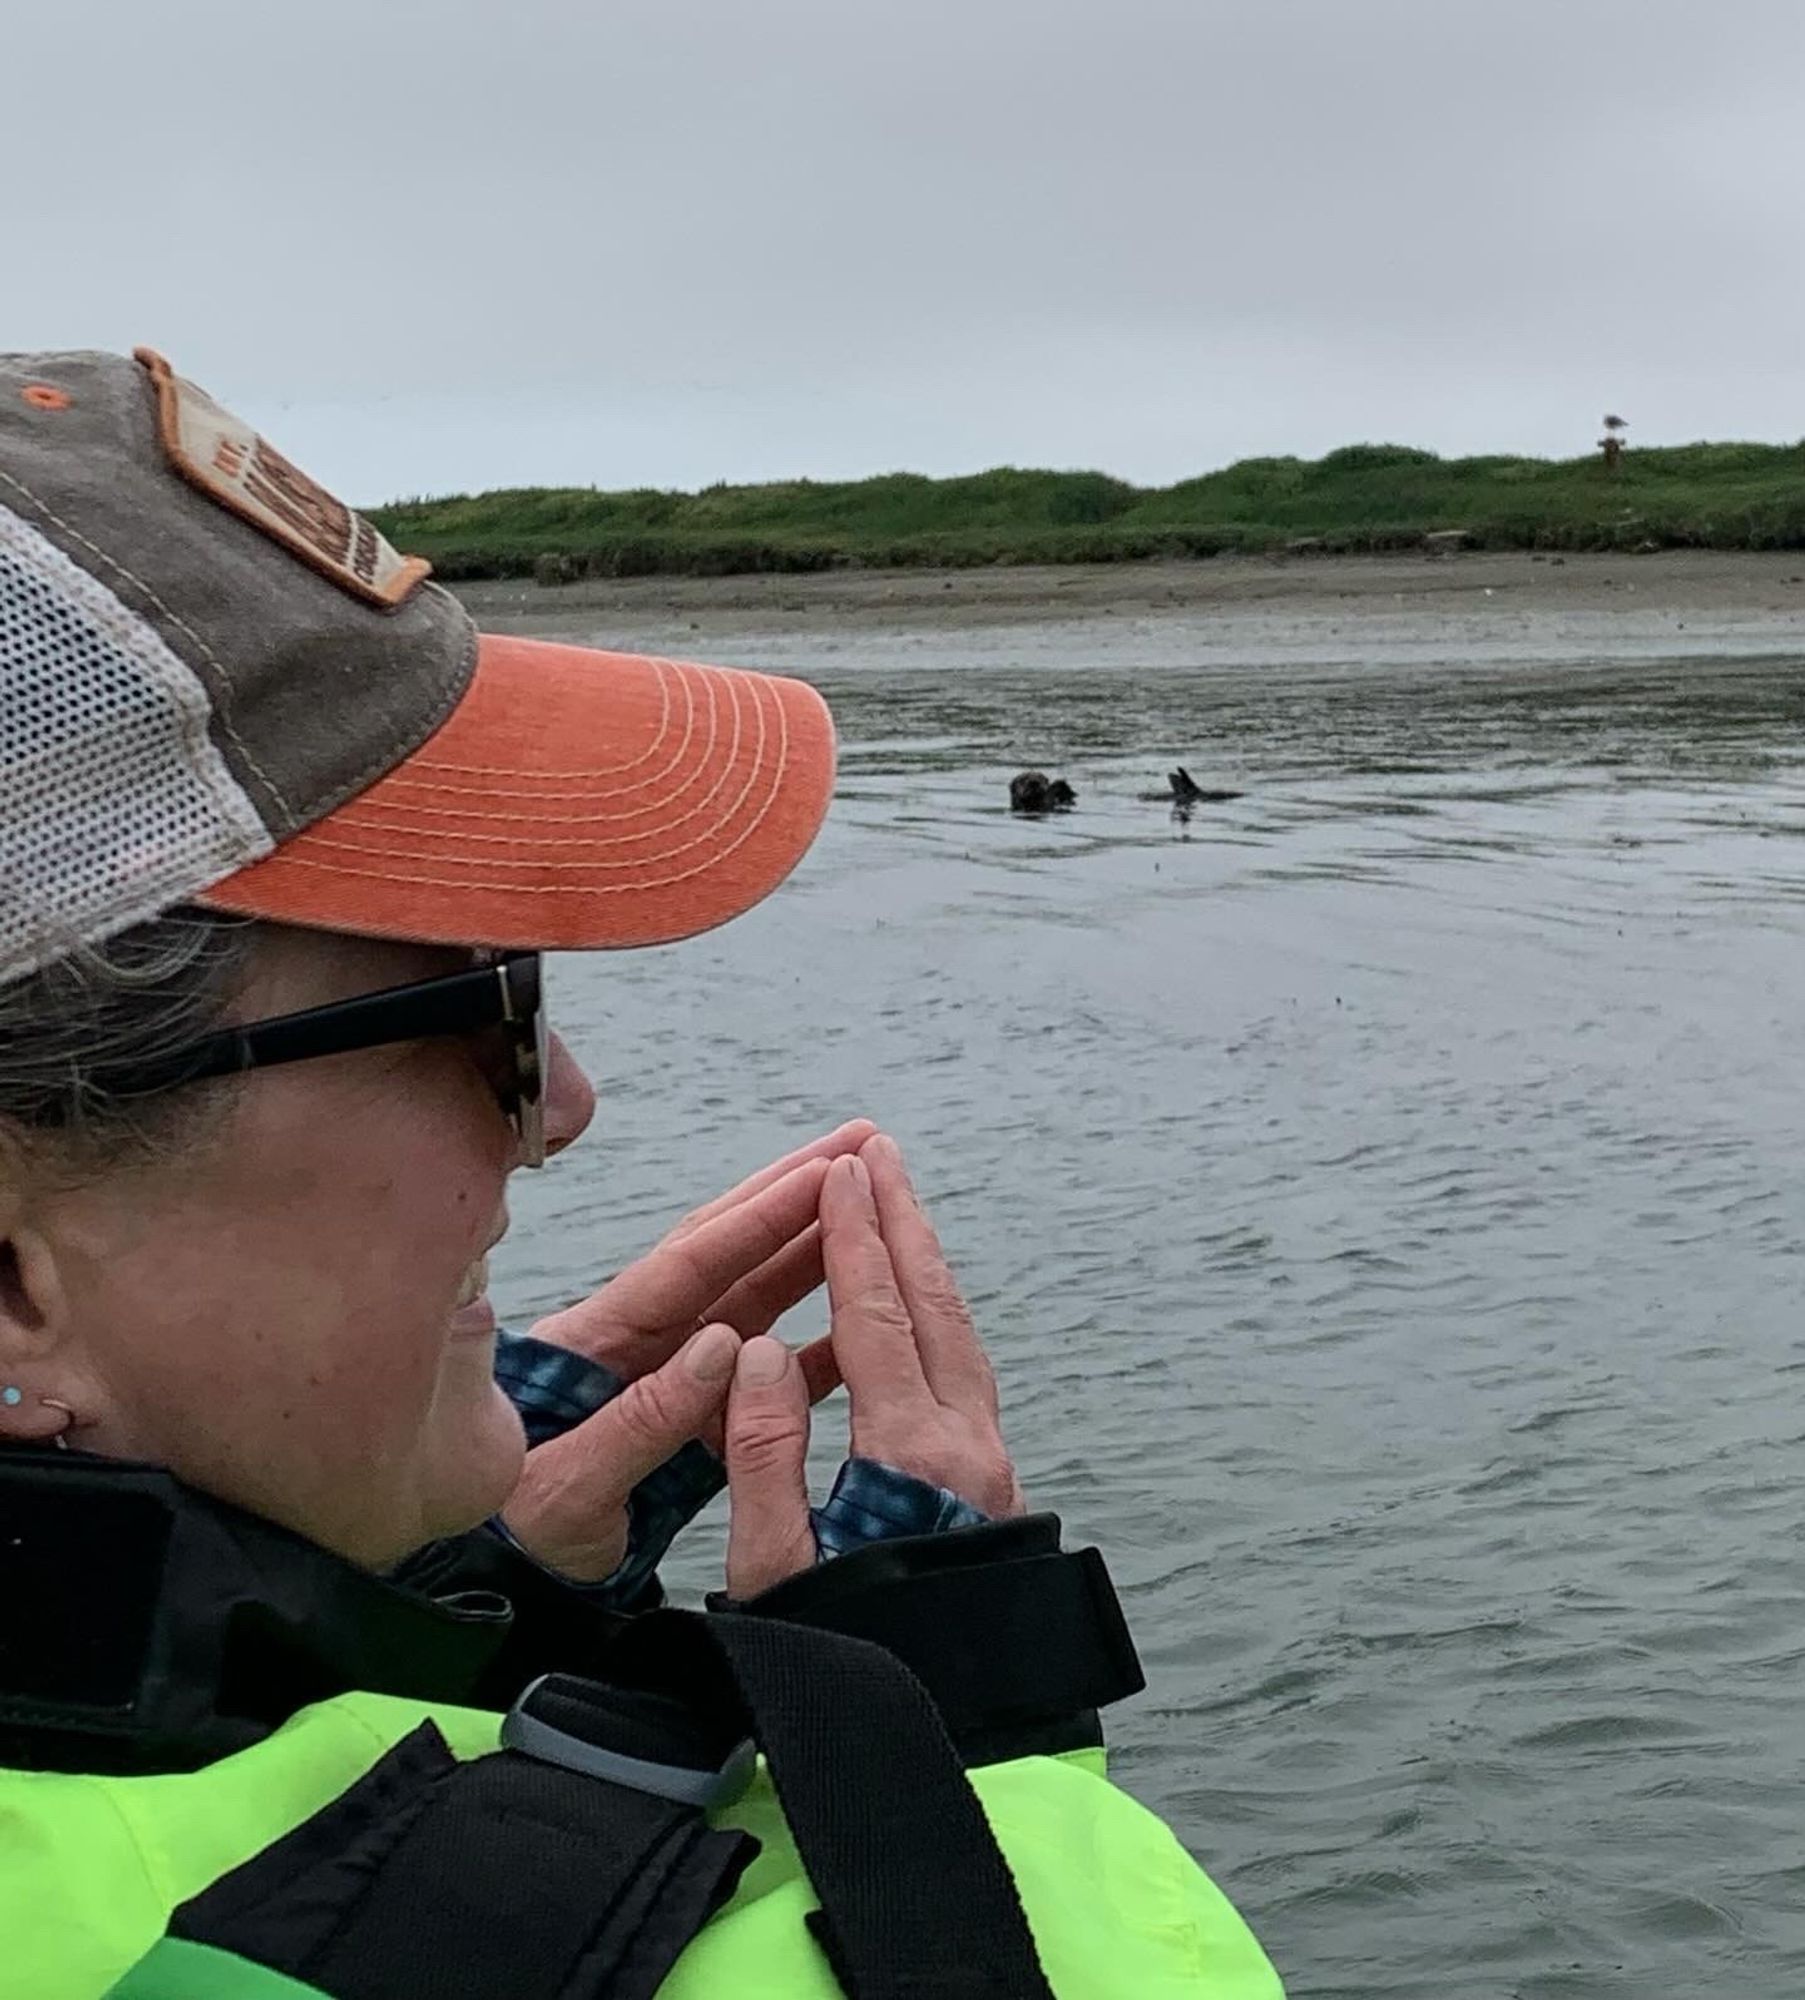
column 569, row 1099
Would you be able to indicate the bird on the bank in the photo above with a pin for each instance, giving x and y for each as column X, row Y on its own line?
column 1615, row 424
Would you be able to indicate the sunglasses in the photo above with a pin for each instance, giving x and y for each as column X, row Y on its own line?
column 504, row 996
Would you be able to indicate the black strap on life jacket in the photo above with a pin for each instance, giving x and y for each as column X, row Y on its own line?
column 528, row 1874
column 916, row 1898
column 432, row 1879
column 1019, row 1642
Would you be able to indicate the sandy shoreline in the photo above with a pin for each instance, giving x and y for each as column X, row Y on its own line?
column 1761, row 586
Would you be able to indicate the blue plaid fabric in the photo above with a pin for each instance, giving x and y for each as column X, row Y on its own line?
column 555, row 1389
column 874, row 1502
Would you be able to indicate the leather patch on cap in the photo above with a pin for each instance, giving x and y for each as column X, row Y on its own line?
column 222, row 456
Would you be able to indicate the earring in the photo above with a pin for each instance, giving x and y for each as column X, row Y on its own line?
column 11, row 1396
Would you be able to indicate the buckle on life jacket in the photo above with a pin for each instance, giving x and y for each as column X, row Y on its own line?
column 630, row 1737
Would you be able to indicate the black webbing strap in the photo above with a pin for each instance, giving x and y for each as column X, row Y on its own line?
column 917, row 1902
column 1003, row 1646
column 432, row 1879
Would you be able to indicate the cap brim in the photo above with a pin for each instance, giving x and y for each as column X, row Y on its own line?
column 573, row 800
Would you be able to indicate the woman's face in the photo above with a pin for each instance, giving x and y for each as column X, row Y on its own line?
column 289, row 1315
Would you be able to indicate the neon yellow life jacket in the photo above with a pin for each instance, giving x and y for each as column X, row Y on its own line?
column 91, row 1868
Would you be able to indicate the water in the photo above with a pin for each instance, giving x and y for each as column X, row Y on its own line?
column 1382, row 1199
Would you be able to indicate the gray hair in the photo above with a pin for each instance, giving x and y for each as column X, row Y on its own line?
column 135, row 998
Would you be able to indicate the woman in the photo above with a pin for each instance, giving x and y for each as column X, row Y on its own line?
column 285, row 1521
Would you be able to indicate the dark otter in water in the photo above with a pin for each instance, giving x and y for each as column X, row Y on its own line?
column 1035, row 792
column 1184, row 790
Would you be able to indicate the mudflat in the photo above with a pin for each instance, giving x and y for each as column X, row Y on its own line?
column 1735, row 583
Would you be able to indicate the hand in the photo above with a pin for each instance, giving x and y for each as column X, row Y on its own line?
column 670, row 1325
column 923, row 1396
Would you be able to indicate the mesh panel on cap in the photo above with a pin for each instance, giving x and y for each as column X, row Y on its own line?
column 114, row 804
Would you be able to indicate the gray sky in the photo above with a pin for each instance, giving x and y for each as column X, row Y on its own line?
column 442, row 247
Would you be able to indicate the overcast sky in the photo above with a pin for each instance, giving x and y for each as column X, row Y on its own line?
column 433, row 248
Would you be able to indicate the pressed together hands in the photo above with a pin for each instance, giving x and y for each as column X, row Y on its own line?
column 687, row 1328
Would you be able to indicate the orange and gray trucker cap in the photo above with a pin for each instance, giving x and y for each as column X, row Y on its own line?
column 218, row 684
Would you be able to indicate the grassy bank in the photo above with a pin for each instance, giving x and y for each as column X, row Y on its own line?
column 1363, row 499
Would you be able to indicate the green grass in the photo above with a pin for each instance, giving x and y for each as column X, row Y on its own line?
column 1362, row 499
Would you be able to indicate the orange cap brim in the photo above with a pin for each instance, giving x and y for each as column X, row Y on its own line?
column 573, row 800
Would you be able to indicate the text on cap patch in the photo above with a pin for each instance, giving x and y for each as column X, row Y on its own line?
column 227, row 460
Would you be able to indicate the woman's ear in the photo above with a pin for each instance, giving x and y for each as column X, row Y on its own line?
column 35, row 1404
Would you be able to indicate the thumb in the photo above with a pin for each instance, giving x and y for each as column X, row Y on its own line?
column 570, row 1507
column 768, row 1533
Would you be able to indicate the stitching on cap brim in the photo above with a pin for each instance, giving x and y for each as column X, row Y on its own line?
column 573, row 800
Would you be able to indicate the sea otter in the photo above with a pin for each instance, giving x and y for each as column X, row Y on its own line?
column 1035, row 792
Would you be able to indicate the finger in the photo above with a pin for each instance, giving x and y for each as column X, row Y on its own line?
column 821, row 1373
column 872, row 1336
column 820, row 1369
column 569, row 1506
column 757, row 1302
column 952, row 1356
column 635, row 1321
column 684, row 1278
column 768, row 1534
column 847, row 1138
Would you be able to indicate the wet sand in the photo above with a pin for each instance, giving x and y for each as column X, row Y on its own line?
column 1711, row 583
